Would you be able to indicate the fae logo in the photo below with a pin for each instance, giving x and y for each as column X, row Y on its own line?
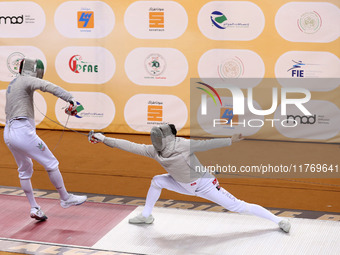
column 87, row 65
column 156, row 19
column 155, row 112
column 85, row 19
column 77, row 64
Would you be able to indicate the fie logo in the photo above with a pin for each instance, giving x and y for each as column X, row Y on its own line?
column 85, row 19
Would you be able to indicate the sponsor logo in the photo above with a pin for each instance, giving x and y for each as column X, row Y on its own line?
column 225, row 64
column 155, row 112
column 308, row 120
column 11, row 20
column 13, row 62
column 94, row 116
column 156, row 19
column 193, row 184
column 151, row 66
column 231, row 68
column 17, row 20
column 90, row 114
column 294, row 69
column 85, row 19
column 143, row 111
column 21, row 19
column 304, row 70
column 77, row 65
column 310, row 22
column 227, row 113
column 41, row 146
column 220, row 21
column 155, row 65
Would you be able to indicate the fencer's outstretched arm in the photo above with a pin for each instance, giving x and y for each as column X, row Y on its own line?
column 49, row 87
column 136, row 148
column 19, row 97
column 209, row 144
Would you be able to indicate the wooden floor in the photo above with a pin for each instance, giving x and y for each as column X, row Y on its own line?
column 102, row 170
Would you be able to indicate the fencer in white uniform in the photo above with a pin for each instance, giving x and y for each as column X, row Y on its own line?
column 20, row 133
column 176, row 155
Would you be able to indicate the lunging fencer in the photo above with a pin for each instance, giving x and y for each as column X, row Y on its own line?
column 20, row 133
column 176, row 155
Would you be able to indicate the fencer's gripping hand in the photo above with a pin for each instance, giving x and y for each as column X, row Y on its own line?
column 236, row 138
column 72, row 108
column 95, row 137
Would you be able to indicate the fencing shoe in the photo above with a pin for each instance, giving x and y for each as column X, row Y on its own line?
column 38, row 214
column 72, row 200
column 284, row 225
column 140, row 219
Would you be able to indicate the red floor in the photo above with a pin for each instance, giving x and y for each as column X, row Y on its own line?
column 80, row 225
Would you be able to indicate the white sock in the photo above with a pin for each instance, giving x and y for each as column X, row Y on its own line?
column 58, row 182
column 151, row 199
column 26, row 185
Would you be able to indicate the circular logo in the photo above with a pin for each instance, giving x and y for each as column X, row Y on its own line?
column 13, row 62
column 155, row 64
column 310, row 22
column 218, row 19
column 231, row 68
column 74, row 63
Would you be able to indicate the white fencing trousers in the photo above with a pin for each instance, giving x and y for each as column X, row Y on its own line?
column 21, row 138
column 206, row 187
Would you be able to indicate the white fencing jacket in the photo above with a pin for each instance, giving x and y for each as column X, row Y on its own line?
column 179, row 160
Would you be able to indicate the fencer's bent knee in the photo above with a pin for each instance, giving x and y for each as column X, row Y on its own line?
column 26, row 170
column 52, row 166
column 52, row 170
column 156, row 182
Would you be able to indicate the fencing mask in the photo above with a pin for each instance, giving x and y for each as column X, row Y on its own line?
column 31, row 67
column 159, row 136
